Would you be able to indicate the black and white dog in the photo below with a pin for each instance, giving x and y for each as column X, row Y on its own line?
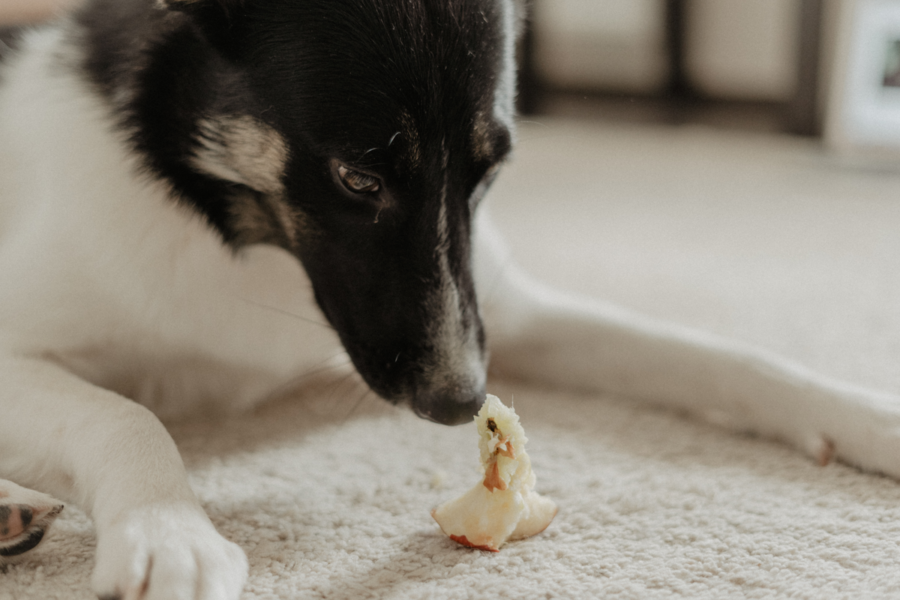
column 180, row 180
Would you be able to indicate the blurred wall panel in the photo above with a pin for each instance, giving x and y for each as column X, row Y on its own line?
column 601, row 44
column 743, row 49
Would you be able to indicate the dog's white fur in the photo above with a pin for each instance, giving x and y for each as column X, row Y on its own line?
column 118, row 288
column 111, row 290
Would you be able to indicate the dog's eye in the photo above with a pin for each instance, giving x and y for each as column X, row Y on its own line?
column 358, row 182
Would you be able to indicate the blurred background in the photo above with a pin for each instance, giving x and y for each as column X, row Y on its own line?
column 747, row 63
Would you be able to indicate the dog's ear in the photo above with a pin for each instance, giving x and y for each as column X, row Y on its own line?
column 189, row 5
column 220, row 20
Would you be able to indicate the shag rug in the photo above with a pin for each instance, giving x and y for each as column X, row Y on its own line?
column 767, row 239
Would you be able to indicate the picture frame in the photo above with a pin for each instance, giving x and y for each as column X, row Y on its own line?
column 863, row 111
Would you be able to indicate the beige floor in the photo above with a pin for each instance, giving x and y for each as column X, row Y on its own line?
column 770, row 239
column 767, row 239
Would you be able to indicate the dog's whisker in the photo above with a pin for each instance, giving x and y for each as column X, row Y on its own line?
column 329, row 364
column 340, row 384
column 540, row 124
column 288, row 313
column 359, row 402
column 367, row 152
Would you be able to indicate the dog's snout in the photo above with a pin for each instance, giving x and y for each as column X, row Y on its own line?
column 453, row 405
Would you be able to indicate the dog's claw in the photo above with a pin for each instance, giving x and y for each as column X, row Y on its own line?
column 821, row 448
column 25, row 517
column 825, row 453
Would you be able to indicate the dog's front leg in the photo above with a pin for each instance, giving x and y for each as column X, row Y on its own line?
column 64, row 436
column 544, row 335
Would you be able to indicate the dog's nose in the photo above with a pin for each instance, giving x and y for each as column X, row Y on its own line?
column 448, row 406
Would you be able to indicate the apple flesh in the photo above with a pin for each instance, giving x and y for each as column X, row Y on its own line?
column 503, row 506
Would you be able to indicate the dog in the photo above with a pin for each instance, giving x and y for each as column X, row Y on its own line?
column 203, row 200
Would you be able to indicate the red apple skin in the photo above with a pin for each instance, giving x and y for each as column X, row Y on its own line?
column 461, row 539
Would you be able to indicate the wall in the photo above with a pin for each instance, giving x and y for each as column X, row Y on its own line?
column 743, row 49
column 736, row 49
column 616, row 44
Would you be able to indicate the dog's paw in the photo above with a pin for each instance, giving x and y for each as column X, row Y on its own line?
column 169, row 552
column 25, row 517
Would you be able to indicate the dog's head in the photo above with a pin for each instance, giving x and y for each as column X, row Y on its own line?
column 359, row 135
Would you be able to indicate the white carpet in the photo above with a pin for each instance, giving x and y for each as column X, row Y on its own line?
column 762, row 238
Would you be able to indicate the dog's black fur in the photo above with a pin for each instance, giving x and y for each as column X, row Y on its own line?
column 401, row 92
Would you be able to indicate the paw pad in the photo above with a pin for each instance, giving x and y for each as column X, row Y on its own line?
column 22, row 527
